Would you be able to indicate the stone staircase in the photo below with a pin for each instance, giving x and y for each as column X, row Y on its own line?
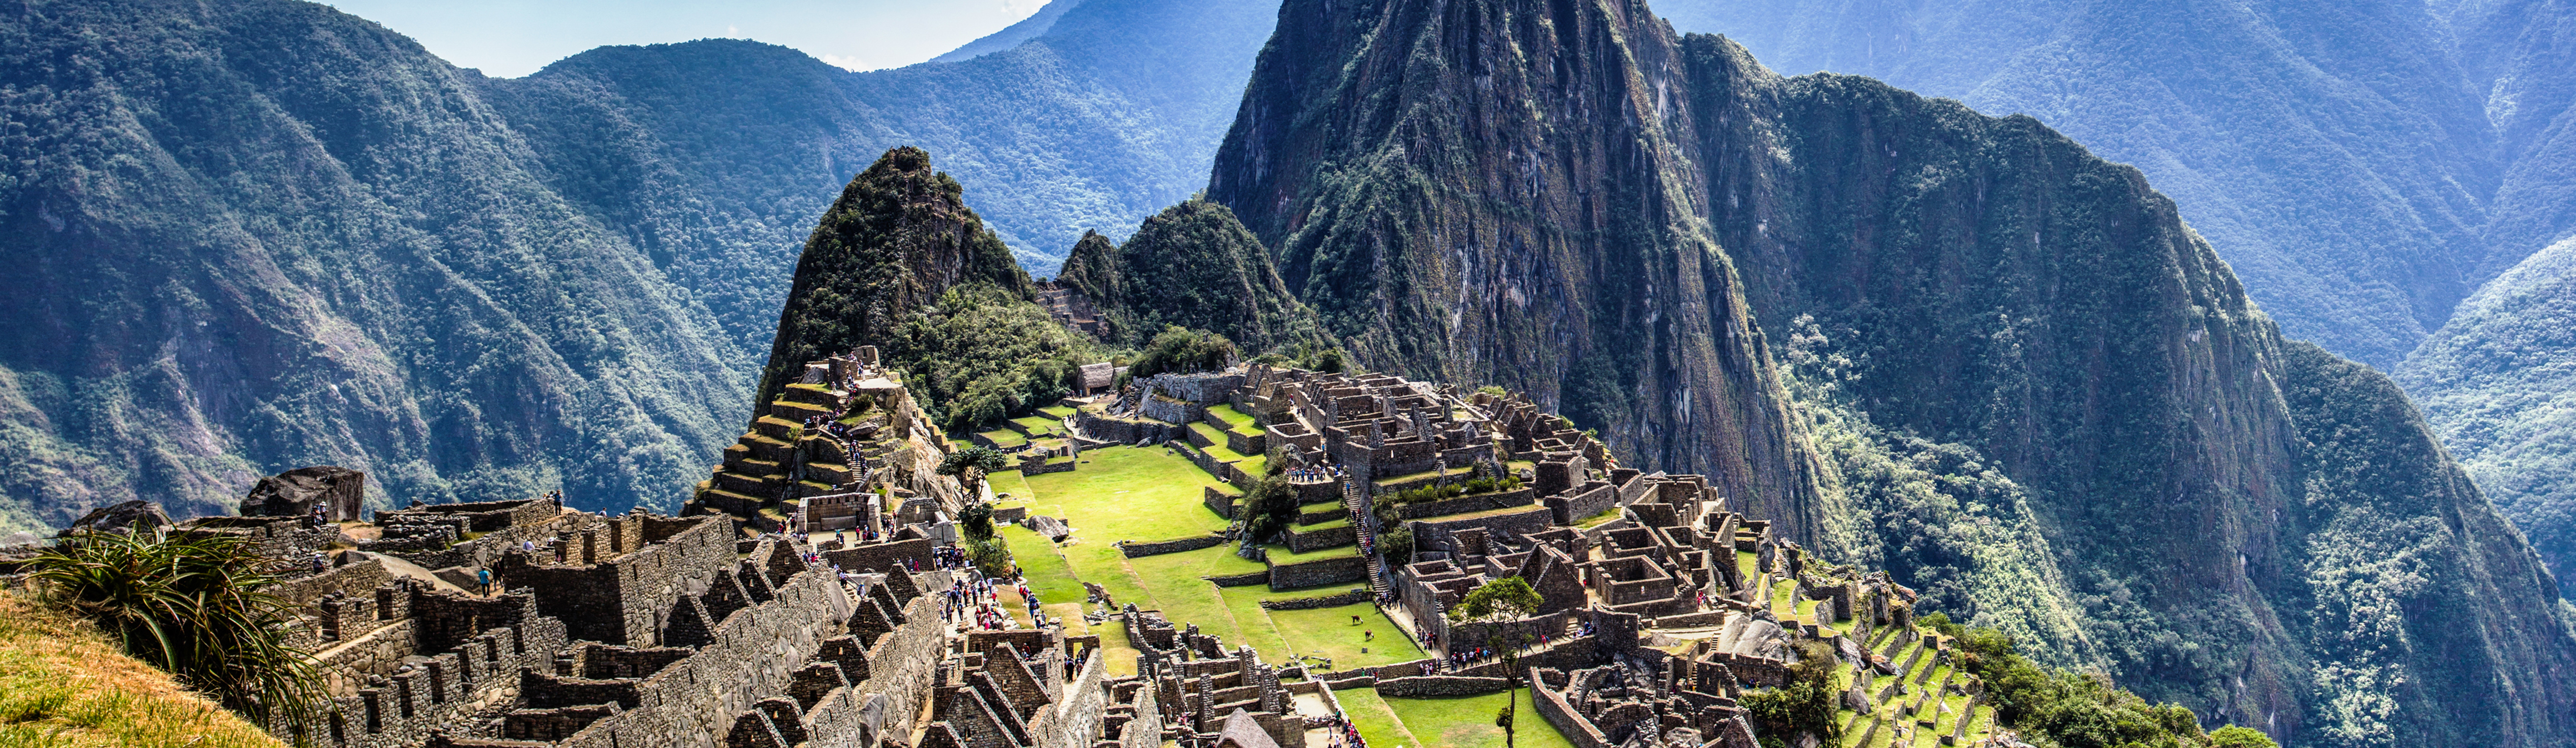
column 1355, row 500
column 778, row 462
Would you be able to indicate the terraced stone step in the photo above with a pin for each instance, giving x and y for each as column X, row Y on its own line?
column 749, row 485
column 778, row 428
column 796, row 412
column 748, row 466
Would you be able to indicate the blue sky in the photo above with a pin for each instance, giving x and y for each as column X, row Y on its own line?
column 511, row 38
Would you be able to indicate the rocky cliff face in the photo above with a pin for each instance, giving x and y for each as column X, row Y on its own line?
column 2002, row 363
column 1504, row 192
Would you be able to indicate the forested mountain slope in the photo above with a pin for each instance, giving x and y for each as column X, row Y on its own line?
column 2499, row 383
column 2335, row 153
column 257, row 235
column 1960, row 347
column 253, row 236
column 714, row 156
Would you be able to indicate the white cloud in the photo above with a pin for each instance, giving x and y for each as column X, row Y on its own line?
column 852, row 64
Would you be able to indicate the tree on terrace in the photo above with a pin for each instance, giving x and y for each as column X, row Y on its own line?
column 1501, row 604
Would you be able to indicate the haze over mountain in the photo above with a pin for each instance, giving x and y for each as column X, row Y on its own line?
column 2363, row 165
column 2494, row 378
column 265, row 234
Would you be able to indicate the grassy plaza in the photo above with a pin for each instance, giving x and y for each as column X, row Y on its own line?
column 1152, row 494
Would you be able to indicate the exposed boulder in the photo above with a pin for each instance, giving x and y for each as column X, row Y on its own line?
column 126, row 517
column 294, row 493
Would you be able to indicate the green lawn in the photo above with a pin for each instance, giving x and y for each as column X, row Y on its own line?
column 1057, row 411
column 1606, row 516
column 1377, row 722
column 1038, row 425
column 1047, row 573
column 1467, row 722
column 1004, row 438
column 1235, row 419
column 1126, row 493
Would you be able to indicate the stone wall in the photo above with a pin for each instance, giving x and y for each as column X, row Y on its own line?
column 1352, row 568
column 1170, row 410
column 1437, row 534
column 1307, row 541
column 449, row 686
column 1196, row 388
column 1570, row 507
column 1355, row 595
column 1139, row 550
column 883, row 557
column 1552, row 707
column 1241, row 580
column 1044, row 466
column 356, row 575
column 1219, row 500
column 1438, row 686
column 754, row 653
column 1125, row 430
column 1464, row 504
column 622, row 600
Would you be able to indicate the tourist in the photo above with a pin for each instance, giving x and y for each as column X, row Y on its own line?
column 484, row 576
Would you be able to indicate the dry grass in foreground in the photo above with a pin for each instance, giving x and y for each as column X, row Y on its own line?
column 63, row 684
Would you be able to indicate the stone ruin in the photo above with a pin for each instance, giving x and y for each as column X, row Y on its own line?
column 799, row 598
column 843, row 448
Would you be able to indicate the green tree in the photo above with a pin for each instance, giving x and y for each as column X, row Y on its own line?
column 1806, row 703
column 970, row 465
column 1397, row 544
column 1183, row 350
column 977, row 521
column 1269, row 506
column 1501, row 604
column 194, row 605
column 2233, row 736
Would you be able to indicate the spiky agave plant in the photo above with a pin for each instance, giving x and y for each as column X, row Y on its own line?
column 194, row 605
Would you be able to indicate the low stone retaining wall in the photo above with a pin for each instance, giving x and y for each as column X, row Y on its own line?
column 1044, row 467
column 1579, row 732
column 1316, row 540
column 1219, row 501
column 1013, row 514
column 1244, row 445
column 1241, row 580
column 1125, row 430
column 1464, row 504
column 1319, row 572
column 1437, row 686
column 1157, row 548
column 1356, row 595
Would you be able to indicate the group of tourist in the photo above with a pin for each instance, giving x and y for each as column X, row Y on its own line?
column 975, row 602
column 1314, row 475
column 1345, row 734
